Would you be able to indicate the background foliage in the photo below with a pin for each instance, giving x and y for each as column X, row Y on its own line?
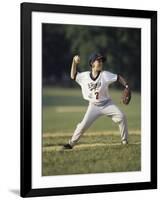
column 121, row 46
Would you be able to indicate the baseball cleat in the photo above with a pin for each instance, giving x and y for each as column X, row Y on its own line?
column 124, row 142
column 67, row 146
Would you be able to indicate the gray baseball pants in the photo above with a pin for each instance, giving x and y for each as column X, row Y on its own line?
column 93, row 112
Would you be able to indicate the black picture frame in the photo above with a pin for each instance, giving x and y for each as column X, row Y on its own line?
column 26, row 189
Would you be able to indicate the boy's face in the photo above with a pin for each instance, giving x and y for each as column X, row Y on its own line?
column 97, row 65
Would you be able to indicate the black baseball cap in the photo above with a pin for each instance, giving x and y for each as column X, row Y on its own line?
column 96, row 56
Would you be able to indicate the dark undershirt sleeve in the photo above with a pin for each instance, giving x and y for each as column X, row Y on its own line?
column 122, row 81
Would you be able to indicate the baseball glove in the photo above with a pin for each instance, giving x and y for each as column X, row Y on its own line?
column 126, row 96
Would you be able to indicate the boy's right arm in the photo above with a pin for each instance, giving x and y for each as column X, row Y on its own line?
column 75, row 62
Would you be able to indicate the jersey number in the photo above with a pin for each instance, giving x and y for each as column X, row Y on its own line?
column 97, row 94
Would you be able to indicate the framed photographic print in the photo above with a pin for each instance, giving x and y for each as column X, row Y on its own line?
column 88, row 99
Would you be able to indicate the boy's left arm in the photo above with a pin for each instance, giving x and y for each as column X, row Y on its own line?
column 126, row 97
column 123, row 82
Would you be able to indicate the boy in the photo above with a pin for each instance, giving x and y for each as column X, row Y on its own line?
column 94, row 85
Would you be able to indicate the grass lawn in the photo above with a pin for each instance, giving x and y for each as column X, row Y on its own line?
column 99, row 150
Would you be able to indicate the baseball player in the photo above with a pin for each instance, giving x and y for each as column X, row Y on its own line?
column 94, row 85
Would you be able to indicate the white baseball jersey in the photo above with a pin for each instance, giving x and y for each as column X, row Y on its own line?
column 95, row 90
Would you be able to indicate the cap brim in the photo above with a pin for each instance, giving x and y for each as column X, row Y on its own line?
column 101, row 58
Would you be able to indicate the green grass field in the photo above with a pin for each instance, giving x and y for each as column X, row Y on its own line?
column 99, row 150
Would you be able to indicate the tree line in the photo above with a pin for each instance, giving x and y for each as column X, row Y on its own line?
column 121, row 46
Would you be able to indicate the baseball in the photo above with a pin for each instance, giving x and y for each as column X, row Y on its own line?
column 76, row 59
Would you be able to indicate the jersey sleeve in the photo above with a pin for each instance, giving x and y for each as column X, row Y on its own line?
column 79, row 78
column 110, row 77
